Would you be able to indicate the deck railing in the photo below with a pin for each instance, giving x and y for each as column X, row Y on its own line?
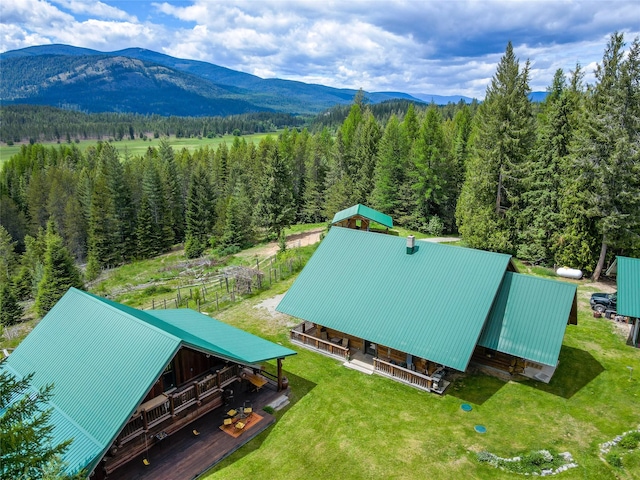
column 404, row 374
column 318, row 343
column 176, row 402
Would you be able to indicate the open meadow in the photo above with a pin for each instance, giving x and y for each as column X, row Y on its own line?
column 139, row 146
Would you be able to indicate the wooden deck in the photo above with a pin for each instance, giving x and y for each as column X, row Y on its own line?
column 185, row 455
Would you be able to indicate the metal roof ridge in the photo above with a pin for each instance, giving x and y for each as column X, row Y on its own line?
column 112, row 305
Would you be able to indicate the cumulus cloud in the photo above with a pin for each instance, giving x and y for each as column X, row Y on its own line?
column 416, row 47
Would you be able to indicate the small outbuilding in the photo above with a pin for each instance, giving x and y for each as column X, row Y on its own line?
column 359, row 217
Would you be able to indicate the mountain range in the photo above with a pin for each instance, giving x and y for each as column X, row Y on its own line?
column 143, row 81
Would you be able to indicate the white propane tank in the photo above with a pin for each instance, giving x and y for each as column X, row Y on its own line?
column 569, row 272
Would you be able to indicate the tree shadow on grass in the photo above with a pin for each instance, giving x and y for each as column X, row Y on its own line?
column 299, row 387
column 475, row 388
column 576, row 369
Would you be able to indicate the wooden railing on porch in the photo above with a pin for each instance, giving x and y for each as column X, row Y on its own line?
column 176, row 402
column 296, row 335
column 404, row 374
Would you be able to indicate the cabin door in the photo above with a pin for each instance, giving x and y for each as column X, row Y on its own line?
column 369, row 348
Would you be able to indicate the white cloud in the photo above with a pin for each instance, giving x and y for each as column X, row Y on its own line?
column 412, row 46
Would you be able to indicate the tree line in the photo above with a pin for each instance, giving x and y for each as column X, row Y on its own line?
column 557, row 183
column 31, row 123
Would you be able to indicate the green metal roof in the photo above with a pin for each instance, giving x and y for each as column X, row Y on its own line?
column 529, row 317
column 365, row 212
column 628, row 287
column 218, row 337
column 104, row 357
column 432, row 303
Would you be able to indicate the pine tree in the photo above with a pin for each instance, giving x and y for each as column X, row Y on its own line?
column 607, row 149
column 540, row 219
column 387, row 195
column 200, row 216
column 10, row 310
column 489, row 202
column 431, row 169
column 59, row 274
column 26, row 433
column 276, row 208
column 147, row 233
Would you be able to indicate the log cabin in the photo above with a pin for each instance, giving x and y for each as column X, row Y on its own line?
column 124, row 379
column 360, row 217
column 414, row 310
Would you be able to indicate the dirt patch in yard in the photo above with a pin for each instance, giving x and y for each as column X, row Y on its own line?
column 270, row 305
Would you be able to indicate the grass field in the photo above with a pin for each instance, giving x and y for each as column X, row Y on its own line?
column 139, row 146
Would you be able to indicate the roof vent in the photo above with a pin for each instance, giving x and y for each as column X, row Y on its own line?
column 411, row 244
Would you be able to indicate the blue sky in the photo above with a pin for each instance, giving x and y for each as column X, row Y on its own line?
column 435, row 47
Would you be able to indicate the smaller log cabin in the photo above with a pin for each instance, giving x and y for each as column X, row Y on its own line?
column 360, row 217
column 125, row 378
column 410, row 310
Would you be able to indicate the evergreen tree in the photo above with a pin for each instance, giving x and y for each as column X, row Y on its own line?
column 540, row 220
column 147, row 232
column 365, row 146
column 200, row 216
column 607, row 149
column 276, row 208
column 316, row 170
column 489, row 202
column 59, row 274
column 27, row 450
column 172, row 180
column 237, row 231
column 431, row 169
column 7, row 255
column 388, row 194
column 10, row 310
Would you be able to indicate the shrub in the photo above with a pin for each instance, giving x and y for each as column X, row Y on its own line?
column 435, row 226
column 614, row 460
column 270, row 410
column 485, row 456
column 630, row 440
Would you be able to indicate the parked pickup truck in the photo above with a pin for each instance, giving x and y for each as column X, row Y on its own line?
column 603, row 302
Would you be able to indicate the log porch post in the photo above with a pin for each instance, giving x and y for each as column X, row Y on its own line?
column 279, row 374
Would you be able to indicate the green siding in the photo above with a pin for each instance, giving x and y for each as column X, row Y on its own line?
column 365, row 212
column 104, row 357
column 432, row 304
column 529, row 317
column 629, row 287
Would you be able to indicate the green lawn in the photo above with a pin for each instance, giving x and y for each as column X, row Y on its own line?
column 139, row 146
column 344, row 424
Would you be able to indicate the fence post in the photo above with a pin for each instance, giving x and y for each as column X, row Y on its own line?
column 165, row 303
column 153, row 304
column 226, row 280
column 217, row 306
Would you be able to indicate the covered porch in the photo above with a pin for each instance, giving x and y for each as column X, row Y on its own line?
column 400, row 366
column 174, row 411
column 191, row 451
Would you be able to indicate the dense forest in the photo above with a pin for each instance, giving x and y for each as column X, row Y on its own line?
column 555, row 184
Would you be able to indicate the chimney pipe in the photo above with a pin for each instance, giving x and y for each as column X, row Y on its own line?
column 411, row 244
